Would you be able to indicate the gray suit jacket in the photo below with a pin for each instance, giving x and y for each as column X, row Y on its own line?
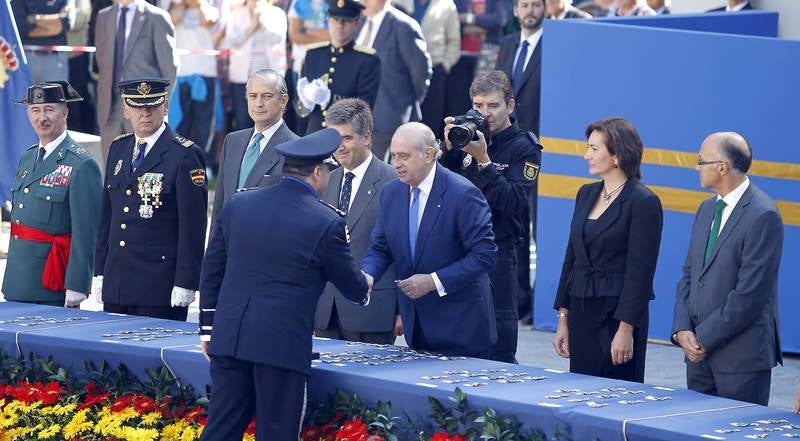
column 405, row 71
column 267, row 171
column 149, row 51
column 379, row 315
column 731, row 301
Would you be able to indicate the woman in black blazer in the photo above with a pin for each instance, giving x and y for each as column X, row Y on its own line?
column 607, row 279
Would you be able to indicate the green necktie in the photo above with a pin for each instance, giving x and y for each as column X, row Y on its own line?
column 712, row 237
column 250, row 158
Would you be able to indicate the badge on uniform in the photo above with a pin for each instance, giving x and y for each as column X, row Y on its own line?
column 118, row 167
column 467, row 161
column 21, row 174
column 150, row 185
column 57, row 178
column 198, row 176
column 531, row 171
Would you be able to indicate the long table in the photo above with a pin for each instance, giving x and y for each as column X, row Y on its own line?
column 574, row 406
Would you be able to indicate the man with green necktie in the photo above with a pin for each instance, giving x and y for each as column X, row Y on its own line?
column 726, row 311
column 248, row 157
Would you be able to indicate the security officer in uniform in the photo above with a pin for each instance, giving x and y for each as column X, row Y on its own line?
column 56, row 202
column 153, row 224
column 262, row 276
column 337, row 69
column 506, row 172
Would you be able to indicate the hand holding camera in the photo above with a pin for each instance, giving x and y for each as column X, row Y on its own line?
column 467, row 133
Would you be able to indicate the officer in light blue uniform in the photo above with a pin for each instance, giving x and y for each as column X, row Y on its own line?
column 263, row 273
column 56, row 202
column 153, row 224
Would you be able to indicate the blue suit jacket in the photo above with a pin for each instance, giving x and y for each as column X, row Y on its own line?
column 455, row 241
column 264, row 271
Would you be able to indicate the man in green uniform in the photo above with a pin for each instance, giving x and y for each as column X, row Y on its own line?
column 56, row 200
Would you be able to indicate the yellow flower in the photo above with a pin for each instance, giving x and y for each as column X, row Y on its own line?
column 151, row 419
column 248, row 437
column 77, row 425
column 172, row 432
column 136, row 434
column 19, row 432
column 59, row 409
column 49, row 432
column 189, row 434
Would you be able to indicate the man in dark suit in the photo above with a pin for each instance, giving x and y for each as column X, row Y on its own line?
column 726, row 307
column 134, row 39
column 563, row 10
column 405, row 69
column 734, row 6
column 248, row 157
column 343, row 69
column 520, row 58
column 262, row 276
column 153, row 224
column 660, row 6
column 355, row 188
column 435, row 226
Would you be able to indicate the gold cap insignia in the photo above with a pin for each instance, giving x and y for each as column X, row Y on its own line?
column 143, row 88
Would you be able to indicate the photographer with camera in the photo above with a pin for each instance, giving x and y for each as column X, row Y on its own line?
column 505, row 170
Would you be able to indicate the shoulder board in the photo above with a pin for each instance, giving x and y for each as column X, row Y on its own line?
column 338, row 211
column 33, row 146
column 364, row 49
column 78, row 150
column 183, row 141
column 534, row 140
column 124, row 135
column 318, row 45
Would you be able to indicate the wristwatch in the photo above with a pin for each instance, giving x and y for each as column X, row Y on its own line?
column 561, row 314
column 483, row 165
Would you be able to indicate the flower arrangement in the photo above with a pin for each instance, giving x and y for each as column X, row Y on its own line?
column 41, row 402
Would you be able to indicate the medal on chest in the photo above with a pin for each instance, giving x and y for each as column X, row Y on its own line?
column 59, row 177
column 150, row 185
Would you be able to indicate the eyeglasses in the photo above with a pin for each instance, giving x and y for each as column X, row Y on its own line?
column 701, row 163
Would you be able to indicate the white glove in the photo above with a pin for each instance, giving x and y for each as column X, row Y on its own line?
column 319, row 92
column 97, row 289
column 308, row 105
column 182, row 296
column 73, row 298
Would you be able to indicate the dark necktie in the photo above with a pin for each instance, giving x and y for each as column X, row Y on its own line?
column 413, row 221
column 519, row 66
column 39, row 157
column 119, row 48
column 712, row 237
column 347, row 189
column 138, row 154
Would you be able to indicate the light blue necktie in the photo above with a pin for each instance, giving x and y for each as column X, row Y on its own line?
column 413, row 218
column 250, row 158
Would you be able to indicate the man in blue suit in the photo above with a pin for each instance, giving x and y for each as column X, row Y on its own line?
column 436, row 227
column 262, row 276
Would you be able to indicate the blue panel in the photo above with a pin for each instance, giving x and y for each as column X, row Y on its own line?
column 676, row 87
column 754, row 23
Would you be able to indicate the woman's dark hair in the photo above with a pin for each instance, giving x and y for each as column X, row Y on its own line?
column 623, row 141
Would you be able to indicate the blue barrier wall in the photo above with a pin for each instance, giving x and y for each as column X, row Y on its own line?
column 754, row 23
column 676, row 87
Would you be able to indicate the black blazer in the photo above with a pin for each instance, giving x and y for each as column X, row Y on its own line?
column 747, row 7
column 527, row 94
column 619, row 259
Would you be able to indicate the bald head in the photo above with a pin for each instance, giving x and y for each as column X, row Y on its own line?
column 414, row 152
column 732, row 148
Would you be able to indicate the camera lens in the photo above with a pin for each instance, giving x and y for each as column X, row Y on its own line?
column 461, row 135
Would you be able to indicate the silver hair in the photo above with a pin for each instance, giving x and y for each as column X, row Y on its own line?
column 423, row 137
column 270, row 74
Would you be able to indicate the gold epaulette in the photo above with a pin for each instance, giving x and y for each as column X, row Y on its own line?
column 321, row 44
column 364, row 49
column 124, row 135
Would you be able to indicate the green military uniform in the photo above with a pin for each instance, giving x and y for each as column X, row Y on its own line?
column 58, row 198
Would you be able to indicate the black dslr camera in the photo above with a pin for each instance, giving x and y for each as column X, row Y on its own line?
column 465, row 128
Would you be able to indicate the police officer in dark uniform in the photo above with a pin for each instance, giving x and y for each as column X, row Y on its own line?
column 153, row 224
column 262, row 276
column 506, row 172
column 337, row 69
column 56, row 201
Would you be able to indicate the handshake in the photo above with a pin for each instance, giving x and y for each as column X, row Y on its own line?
column 313, row 93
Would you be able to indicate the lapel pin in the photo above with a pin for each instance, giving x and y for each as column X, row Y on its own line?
column 369, row 192
column 438, row 205
column 61, row 154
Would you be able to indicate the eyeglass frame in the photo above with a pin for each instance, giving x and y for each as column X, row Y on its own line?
column 701, row 162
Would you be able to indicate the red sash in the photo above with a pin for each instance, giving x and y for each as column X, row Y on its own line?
column 55, row 270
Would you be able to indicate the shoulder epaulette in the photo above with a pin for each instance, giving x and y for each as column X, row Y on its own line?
column 124, row 135
column 534, row 140
column 183, row 141
column 33, row 146
column 78, row 150
column 318, row 45
column 338, row 211
column 364, row 49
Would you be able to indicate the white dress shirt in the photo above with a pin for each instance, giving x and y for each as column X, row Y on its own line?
column 151, row 140
column 736, row 8
column 533, row 40
column 358, row 176
column 376, row 21
column 731, row 199
column 135, row 6
column 51, row 146
column 424, row 191
column 268, row 132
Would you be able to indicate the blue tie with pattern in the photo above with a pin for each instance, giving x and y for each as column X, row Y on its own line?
column 519, row 67
column 413, row 220
column 347, row 189
column 138, row 154
column 250, row 158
